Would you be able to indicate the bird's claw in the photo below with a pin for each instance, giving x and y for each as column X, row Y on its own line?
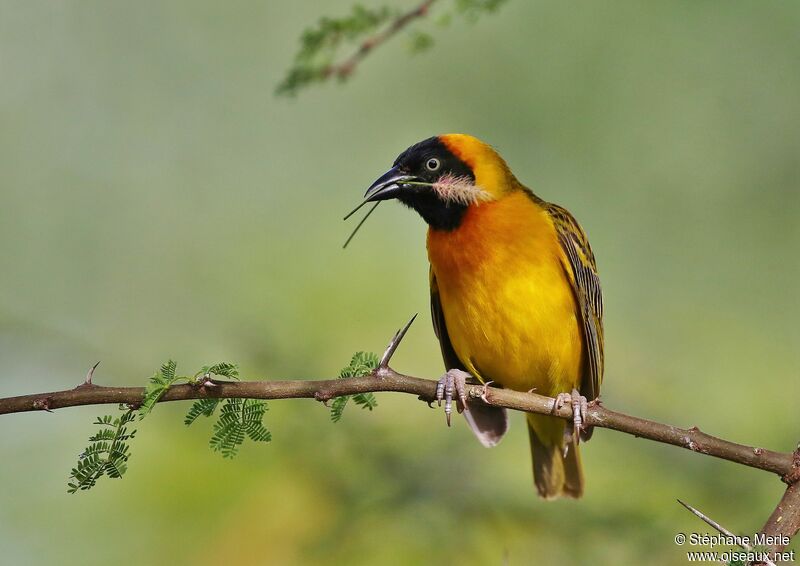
column 88, row 381
column 454, row 380
column 580, row 405
column 485, row 392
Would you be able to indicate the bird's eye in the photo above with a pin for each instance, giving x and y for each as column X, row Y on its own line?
column 432, row 164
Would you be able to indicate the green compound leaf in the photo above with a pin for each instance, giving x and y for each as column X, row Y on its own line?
column 157, row 386
column 239, row 418
column 365, row 400
column 107, row 453
column 361, row 364
column 206, row 407
column 223, row 369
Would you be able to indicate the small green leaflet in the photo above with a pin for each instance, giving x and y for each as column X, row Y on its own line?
column 204, row 407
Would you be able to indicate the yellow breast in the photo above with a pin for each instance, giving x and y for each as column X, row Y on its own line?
column 508, row 304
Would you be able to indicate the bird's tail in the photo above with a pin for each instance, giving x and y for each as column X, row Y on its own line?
column 554, row 474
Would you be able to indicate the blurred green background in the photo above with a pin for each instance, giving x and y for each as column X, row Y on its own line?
column 156, row 201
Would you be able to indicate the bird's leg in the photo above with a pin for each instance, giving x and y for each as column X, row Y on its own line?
column 453, row 380
column 579, row 407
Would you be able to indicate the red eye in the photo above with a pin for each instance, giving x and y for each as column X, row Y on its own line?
column 432, row 164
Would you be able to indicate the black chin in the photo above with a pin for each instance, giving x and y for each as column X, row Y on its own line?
column 438, row 214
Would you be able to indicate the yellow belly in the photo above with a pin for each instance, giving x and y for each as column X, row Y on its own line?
column 508, row 303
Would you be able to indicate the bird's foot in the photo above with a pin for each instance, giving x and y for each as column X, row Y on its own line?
column 454, row 380
column 579, row 405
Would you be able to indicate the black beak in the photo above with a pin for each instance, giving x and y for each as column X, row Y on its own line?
column 388, row 186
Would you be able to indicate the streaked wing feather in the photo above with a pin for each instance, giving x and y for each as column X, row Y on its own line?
column 586, row 284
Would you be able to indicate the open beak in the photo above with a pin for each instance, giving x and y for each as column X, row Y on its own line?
column 388, row 186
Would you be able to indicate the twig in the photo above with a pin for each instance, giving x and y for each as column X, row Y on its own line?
column 345, row 68
column 783, row 524
column 692, row 439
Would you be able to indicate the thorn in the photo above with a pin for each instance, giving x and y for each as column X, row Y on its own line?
column 90, row 373
column 383, row 366
column 719, row 528
column 87, row 382
column 706, row 519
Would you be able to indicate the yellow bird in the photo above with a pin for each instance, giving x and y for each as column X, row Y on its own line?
column 515, row 296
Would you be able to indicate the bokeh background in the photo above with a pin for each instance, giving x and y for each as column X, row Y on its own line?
column 157, row 201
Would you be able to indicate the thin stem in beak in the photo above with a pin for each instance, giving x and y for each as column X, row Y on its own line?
column 358, row 226
column 356, row 209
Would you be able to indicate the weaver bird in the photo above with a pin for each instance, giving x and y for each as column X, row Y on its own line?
column 515, row 296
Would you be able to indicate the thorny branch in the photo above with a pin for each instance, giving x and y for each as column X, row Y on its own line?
column 785, row 520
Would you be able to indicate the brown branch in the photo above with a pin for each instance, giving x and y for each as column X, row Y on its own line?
column 389, row 380
column 784, row 522
column 782, row 525
column 345, row 68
